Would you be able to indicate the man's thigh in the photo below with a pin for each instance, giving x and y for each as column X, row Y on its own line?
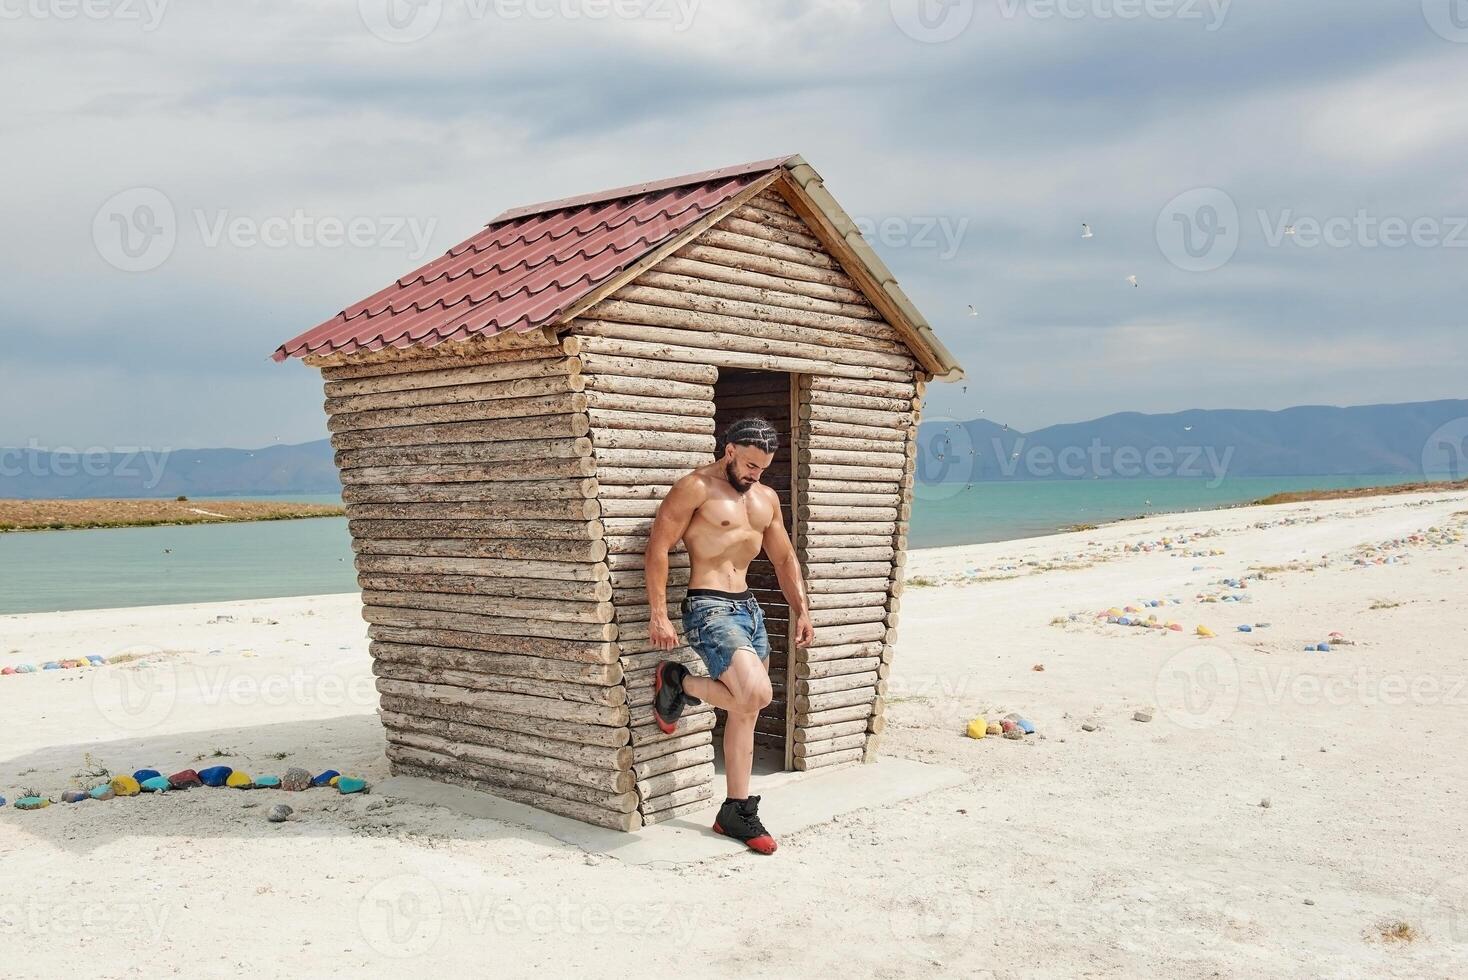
column 747, row 677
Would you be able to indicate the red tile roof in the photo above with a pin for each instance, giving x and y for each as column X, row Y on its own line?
column 527, row 266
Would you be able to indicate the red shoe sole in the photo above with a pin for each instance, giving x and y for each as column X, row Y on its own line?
column 657, row 687
column 754, row 844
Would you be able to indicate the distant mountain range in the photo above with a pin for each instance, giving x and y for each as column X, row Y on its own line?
column 1312, row 440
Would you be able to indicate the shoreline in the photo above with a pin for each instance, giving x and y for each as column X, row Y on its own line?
column 106, row 513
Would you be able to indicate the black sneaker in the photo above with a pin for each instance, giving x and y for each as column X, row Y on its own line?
column 739, row 819
column 668, row 699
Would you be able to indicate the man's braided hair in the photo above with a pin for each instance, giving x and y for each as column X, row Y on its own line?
column 753, row 431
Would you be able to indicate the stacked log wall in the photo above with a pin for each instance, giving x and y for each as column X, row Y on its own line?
column 470, row 490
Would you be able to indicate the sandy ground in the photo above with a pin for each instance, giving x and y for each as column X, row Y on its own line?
column 1136, row 849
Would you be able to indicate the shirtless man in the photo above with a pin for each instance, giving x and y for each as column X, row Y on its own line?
column 725, row 516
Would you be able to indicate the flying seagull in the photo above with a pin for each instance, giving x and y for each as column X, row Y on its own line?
column 972, row 311
column 1132, row 280
column 1187, row 428
column 1289, row 229
column 1086, row 231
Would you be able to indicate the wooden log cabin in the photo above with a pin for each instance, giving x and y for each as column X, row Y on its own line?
column 506, row 421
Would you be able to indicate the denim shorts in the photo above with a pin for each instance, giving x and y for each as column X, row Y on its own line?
column 716, row 626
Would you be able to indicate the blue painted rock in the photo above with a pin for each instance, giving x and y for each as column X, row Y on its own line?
column 143, row 774
column 295, row 779
column 1025, row 726
column 75, row 796
column 155, row 784
column 350, row 784
column 32, row 803
column 186, row 779
column 103, row 792
column 48, row 665
column 214, row 775
column 1323, row 647
column 267, row 782
column 96, row 660
column 325, row 778
column 2, row 801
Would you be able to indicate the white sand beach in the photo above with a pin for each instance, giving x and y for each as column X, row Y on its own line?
column 1284, row 813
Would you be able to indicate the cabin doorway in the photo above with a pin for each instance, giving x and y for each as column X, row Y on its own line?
column 771, row 395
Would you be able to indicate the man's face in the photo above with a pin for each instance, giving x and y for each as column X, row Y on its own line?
column 745, row 465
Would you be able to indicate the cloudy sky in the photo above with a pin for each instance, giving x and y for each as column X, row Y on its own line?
column 186, row 185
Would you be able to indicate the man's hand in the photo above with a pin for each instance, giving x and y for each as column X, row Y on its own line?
column 664, row 637
column 805, row 633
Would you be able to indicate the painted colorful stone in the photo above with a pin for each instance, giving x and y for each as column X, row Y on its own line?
column 1025, row 726
column 978, row 728
column 145, row 774
column 267, row 782
column 185, row 779
column 350, row 784
column 215, row 775
column 75, row 796
column 239, row 780
column 1204, row 631
column 48, row 665
column 7, row 670
column 2, row 801
column 96, row 660
column 295, row 779
column 325, row 778
column 103, row 792
column 155, row 784
column 1006, row 726
column 32, row 803
column 125, row 786
column 995, row 729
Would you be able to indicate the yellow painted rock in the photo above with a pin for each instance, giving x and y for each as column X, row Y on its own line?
column 978, row 728
column 125, row 786
column 1204, row 631
column 239, row 780
column 333, row 780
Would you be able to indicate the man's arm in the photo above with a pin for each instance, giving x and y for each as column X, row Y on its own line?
column 674, row 515
column 787, row 569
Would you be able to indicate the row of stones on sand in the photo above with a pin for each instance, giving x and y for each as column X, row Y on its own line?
column 152, row 781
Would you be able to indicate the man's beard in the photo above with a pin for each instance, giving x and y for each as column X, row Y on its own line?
column 734, row 480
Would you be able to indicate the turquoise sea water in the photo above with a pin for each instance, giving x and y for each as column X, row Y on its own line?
column 47, row 571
